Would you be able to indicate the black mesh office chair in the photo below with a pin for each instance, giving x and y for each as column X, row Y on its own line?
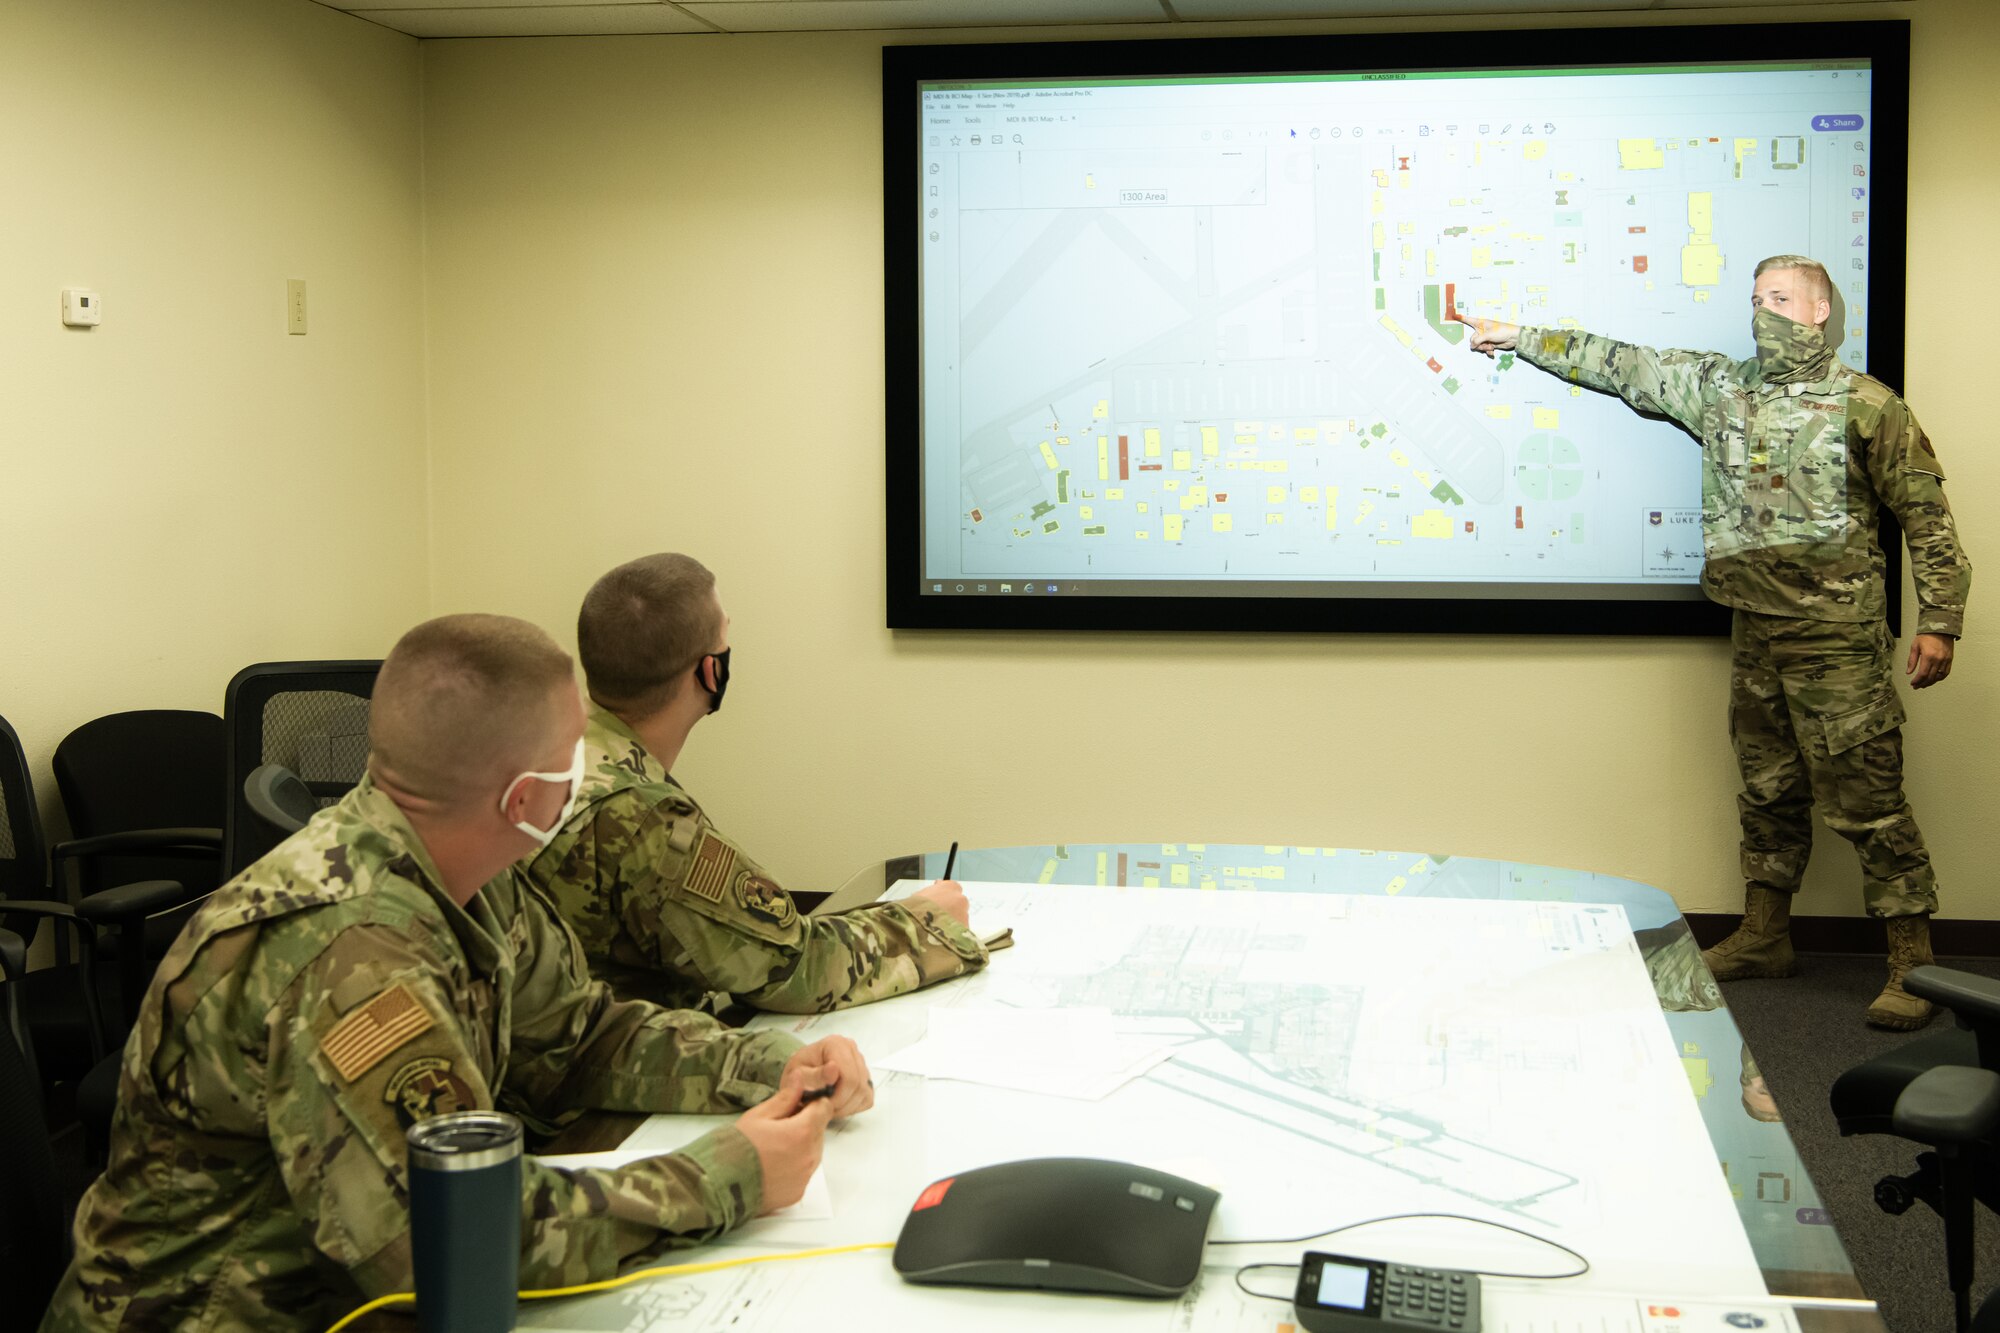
column 65, row 1013
column 1942, row 1090
column 66, row 1002
column 280, row 799
column 310, row 718
column 34, row 1231
column 144, row 794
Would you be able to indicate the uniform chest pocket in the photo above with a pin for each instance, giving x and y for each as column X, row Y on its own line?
column 1727, row 523
column 1727, row 434
column 1809, row 474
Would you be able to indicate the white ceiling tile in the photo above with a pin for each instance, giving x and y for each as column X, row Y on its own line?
column 850, row 15
column 1740, row 4
column 376, row 6
column 1205, row 11
column 555, row 20
column 547, row 18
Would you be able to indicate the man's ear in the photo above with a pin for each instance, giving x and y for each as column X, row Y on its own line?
column 704, row 672
column 1823, row 308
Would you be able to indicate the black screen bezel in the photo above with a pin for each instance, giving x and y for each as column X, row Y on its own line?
column 1885, row 43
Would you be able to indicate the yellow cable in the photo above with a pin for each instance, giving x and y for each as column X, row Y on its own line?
column 393, row 1298
column 665, row 1270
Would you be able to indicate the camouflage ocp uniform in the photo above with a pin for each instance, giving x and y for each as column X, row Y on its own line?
column 1795, row 465
column 669, row 909
column 315, row 1007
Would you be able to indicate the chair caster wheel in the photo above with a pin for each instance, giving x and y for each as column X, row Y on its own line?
column 1893, row 1195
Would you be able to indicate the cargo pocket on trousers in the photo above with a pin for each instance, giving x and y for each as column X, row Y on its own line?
column 1865, row 751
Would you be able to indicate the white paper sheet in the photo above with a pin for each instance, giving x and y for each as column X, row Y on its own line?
column 1078, row 1053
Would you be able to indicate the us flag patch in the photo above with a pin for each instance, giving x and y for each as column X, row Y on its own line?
column 357, row 1043
column 714, row 862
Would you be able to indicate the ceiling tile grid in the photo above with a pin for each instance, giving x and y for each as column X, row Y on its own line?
column 555, row 18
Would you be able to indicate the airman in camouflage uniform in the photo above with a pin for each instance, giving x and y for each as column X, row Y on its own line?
column 1798, row 453
column 667, row 907
column 341, row 989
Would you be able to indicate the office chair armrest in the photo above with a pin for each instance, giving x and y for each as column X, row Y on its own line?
column 1973, row 998
column 131, row 902
column 202, row 842
column 61, row 913
column 1949, row 1104
column 13, row 956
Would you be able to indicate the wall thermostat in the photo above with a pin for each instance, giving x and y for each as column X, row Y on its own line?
column 80, row 307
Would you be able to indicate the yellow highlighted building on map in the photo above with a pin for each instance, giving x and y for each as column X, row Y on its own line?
column 1152, row 441
column 1701, row 257
column 1640, row 155
column 1745, row 148
column 1048, row 455
column 1547, row 418
column 1432, row 523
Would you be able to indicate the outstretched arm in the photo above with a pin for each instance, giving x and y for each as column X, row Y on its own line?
column 1677, row 385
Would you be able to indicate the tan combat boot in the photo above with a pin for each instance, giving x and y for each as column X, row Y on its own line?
column 1762, row 944
column 1909, row 946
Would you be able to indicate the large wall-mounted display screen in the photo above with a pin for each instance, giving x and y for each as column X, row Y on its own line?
column 1170, row 335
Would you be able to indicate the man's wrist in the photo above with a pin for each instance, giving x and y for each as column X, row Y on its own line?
column 1948, row 624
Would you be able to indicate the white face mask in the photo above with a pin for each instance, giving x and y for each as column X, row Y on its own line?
column 573, row 776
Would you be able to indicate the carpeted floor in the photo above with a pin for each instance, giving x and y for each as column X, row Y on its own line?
column 1805, row 1031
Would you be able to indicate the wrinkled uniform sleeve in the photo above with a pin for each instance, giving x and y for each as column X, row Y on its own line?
column 1907, row 475
column 699, row 903
column 578, row 1048
column 341, row 1098
column 1677, row 385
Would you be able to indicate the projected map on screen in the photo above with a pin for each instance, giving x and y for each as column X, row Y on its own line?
column 1193, row 335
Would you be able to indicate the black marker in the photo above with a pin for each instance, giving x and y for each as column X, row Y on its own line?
column 817, row 1094
column 950, row 859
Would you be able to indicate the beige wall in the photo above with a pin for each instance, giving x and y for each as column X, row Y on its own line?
column 655, row 273
column 186, row 489
column 646, row 276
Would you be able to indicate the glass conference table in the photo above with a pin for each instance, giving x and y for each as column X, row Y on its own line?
column 1789, row 1229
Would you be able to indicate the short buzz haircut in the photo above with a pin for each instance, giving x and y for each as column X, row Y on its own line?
column 642, row 627
column 464, row 703
column 1819, row 283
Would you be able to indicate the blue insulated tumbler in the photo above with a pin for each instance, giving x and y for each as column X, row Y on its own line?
column 465, row 1220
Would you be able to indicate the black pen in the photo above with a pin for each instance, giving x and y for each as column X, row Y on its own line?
column 951, row 858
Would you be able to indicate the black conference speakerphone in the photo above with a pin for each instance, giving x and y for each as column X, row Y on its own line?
column 1339, row 1294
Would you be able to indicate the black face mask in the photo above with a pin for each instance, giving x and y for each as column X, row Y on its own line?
column 721, row 680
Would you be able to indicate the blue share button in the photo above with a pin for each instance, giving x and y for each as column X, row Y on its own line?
column 1836, row 124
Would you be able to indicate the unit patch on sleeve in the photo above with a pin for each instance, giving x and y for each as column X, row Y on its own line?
column 358, row 1042
column 426, row 1087
column 714, row 863
column 765, row 899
